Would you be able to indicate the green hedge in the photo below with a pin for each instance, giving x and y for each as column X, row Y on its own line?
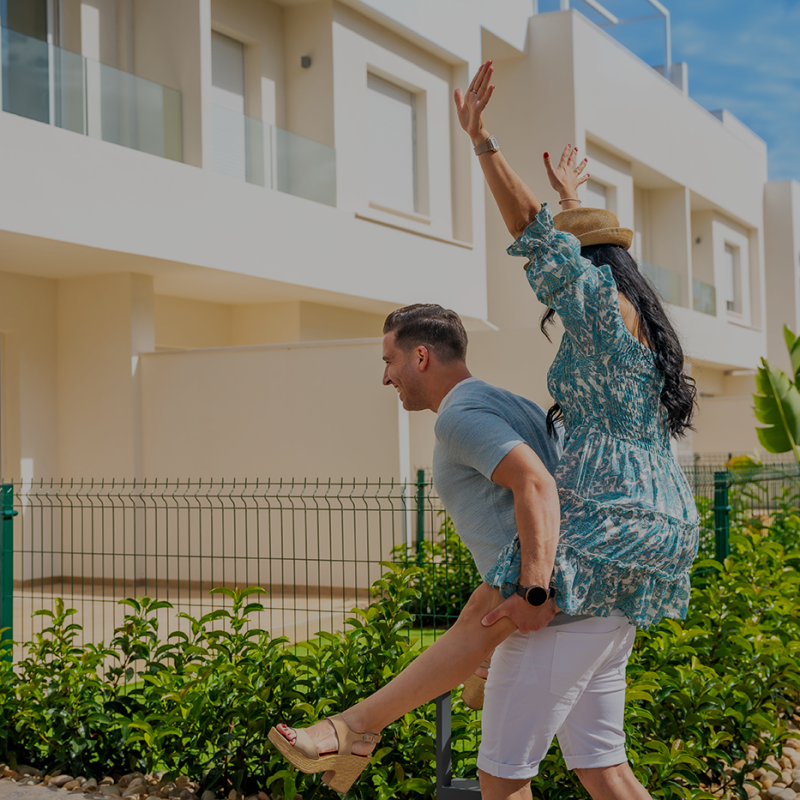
column 701, row 692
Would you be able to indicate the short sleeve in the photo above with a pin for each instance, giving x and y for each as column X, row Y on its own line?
column 584, row 296
column 476, row 437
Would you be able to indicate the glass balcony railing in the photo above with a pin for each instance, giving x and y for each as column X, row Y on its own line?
column 249, row 150
column 53, row 85
column 668, row 286
column 666, row 282
column 705, row 298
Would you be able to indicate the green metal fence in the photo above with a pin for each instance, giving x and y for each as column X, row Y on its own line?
column 315, row 547
column 756, row 498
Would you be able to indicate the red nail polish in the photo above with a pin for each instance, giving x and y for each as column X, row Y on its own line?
column 547, row 155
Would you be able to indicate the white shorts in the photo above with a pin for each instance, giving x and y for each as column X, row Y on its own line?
column 566, row 681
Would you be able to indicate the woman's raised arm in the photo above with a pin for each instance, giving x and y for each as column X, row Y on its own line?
column 517, row 203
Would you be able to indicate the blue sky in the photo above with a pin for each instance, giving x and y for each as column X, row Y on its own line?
column 742, row 56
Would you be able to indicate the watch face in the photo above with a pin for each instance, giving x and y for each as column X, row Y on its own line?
column 537, row 596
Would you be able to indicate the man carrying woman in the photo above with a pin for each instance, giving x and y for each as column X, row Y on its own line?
column 628, row 525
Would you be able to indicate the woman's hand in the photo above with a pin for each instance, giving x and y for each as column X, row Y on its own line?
column 469, row 106
column 566, row 176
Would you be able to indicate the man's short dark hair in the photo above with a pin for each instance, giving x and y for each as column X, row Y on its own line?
column 428, row 324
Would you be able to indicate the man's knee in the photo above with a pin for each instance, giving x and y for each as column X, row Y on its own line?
column 605, row 778
column 493, row 788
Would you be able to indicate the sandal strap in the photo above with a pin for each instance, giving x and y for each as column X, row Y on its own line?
column 348, row 737
column 304, row 744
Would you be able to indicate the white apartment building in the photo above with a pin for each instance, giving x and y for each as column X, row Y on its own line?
column 208, row 207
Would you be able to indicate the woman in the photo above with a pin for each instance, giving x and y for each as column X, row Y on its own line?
column 628, row 523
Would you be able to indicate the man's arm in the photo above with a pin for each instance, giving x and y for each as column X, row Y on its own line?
column 537, row 513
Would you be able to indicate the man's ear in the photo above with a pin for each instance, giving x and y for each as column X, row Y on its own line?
column 422, row 358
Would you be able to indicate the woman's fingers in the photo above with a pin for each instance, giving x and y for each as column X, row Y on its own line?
column 480, row 83
column 582, row 179
column 563, row 162
column 475, row 82
column 486, row 77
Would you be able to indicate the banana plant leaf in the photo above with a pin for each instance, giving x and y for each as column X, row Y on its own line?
column 793, row 346
column 777, row 406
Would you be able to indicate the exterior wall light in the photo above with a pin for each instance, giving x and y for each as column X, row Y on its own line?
column 305, row 62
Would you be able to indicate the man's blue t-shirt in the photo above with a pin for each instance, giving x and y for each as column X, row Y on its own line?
column 478, row 425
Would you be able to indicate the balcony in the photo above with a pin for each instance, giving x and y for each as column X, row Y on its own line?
column 666, row 282
column 249, row 150
column 704, row 298
column 61, row 88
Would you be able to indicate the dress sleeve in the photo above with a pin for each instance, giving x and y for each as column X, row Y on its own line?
column 584, row 296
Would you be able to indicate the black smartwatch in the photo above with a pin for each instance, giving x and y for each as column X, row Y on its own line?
column 535, row 595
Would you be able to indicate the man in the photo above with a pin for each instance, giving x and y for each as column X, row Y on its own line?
column 492, row 467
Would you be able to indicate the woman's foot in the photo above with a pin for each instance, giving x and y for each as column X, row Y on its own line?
column 324, row 737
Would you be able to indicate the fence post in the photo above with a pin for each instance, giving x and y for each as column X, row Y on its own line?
column 448, row 787
column 420, row 500
column 722, row 516
column 7, row 515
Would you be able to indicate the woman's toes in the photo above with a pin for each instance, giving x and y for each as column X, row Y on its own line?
column 287, row 732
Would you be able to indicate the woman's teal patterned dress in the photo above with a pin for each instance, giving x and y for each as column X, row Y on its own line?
column 629, row 526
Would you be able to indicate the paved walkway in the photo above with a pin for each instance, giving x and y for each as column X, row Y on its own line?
column 11, row 790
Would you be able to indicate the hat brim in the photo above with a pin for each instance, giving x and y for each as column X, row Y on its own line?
column 621, row 236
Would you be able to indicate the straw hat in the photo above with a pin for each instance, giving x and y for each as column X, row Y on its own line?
column 593, row 226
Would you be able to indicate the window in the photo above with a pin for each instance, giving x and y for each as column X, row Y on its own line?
column 595, row 195
column 392, row 152
column 26, row 59
column 229, row 153
column 732, row 280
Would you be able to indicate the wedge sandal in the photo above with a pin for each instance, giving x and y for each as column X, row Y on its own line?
column 472, row 693
column 341, row 768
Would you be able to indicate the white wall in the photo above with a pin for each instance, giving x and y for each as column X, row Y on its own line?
column 782, row 249
column 29, row 386
column 104, row 323
column 270, row 412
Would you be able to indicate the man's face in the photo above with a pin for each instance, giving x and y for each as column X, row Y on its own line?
column 401, row 370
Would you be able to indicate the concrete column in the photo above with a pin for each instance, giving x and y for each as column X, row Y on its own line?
column 172, row 46
column 782, row 265
column 104, row 322
column 670, row 233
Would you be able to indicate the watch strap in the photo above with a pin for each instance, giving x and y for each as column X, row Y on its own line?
column 489, row 145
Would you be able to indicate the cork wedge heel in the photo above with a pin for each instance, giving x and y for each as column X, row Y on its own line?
column 341, row 768
column 472, row 693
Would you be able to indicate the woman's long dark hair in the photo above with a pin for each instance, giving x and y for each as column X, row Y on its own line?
column 679, row 393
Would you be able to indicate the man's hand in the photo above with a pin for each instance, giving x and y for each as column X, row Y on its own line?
column 469, row 106
column 526, row 617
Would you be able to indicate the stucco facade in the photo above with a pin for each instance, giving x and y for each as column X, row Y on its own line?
column 161, row 318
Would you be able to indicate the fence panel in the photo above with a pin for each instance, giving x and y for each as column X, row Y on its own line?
column 315, row 547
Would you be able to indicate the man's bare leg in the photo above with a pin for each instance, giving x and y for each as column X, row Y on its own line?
column 503, row 788
column 612, row 783
column 449, row 661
